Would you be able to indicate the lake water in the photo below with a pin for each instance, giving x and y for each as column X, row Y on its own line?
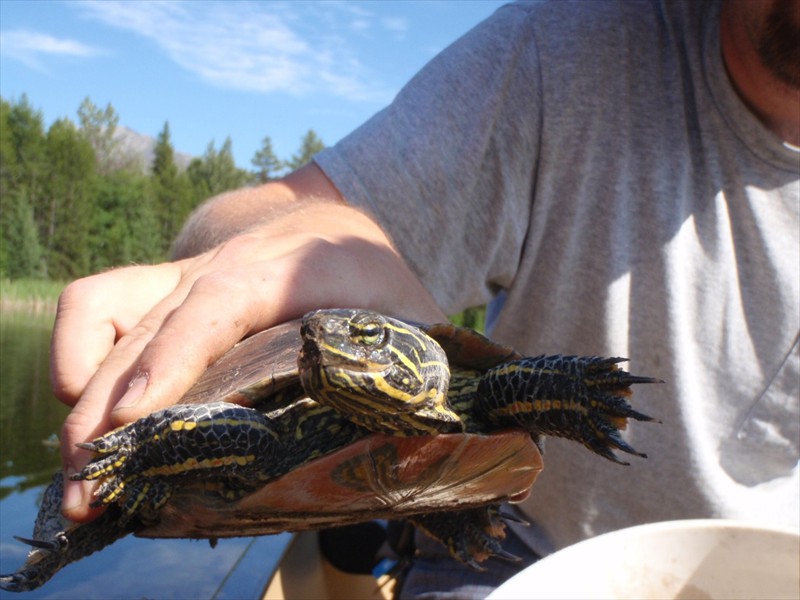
column 30, row 418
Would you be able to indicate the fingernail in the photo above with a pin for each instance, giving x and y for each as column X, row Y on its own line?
column 135, row 391
column 73, row 491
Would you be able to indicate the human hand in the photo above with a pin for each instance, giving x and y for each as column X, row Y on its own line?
column 133, row 340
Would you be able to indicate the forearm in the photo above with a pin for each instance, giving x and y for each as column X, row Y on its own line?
column 220, row 218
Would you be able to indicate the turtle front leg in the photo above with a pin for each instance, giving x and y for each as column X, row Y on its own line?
column 138, row 464
column 579, row 398
column 472, row 536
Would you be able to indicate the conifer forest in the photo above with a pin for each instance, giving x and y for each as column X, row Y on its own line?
column 75, row 200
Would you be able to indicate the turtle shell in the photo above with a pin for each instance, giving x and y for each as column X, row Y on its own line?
column 377, row 477
column 469, row 349
column 264, row 364
column 253, row 370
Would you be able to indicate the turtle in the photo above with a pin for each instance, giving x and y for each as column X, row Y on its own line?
column 343, row 416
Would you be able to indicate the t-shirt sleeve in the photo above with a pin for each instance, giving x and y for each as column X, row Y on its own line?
column 447, row 169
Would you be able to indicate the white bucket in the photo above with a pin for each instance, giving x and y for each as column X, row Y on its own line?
column 677, row 559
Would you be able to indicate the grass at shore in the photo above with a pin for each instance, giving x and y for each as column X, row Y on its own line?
column 32, row 294
column 474, row 318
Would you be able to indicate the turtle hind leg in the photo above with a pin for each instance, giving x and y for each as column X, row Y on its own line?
column 472, row 536
column 57, row 543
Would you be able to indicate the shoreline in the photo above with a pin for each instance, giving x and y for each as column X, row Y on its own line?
column 30, row 295
column 30, row 305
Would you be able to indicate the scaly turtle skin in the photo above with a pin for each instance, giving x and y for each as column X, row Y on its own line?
column 350, row 416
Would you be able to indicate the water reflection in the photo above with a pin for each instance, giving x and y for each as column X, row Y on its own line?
column 29, row 414
column 131, row 568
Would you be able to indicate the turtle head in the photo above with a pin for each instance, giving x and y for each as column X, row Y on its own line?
column 381, row 373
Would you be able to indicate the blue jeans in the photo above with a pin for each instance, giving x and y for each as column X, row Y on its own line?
column 434, row 574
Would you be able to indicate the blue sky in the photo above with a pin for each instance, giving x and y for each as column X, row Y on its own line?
column 216, row 69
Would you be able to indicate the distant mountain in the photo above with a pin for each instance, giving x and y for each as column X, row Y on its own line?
column 140, row 148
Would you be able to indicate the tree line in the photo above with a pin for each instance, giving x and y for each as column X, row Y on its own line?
column 73, row 201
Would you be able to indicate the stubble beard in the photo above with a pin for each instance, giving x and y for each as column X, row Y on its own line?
column 779, row 43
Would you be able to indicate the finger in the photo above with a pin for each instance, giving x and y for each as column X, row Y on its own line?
column 90, row 415
column 93, row 313
column 220, row 309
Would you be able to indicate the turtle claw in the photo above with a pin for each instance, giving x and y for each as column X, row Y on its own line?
column 606, row 453
column 39, row 567
column 511, row 517
column 507, row 556
column 16, row 582
column 474, row 565
column 604, row 437
column 102, row 467
column 625, row 447
column 56, row 545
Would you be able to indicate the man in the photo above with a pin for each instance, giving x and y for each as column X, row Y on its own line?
column 615, row 178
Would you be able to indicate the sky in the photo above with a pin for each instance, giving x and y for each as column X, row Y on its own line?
column 216, row 69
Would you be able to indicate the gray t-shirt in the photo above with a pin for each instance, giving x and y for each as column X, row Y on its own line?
column 592, row 162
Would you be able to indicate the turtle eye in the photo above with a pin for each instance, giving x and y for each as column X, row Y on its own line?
column 368, row 334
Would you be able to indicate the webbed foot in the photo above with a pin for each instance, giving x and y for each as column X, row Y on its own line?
column 57, row 542
column 121, row 464
column 578, row 398
column 44, row 560
column 472, row 536
column 138, row 465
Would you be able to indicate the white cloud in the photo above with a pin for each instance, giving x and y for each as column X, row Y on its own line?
column 263, row 46
column 360, row 24
column 30, row 47
column 397, row 25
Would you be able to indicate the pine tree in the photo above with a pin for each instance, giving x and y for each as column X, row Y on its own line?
column 164, row 166
column 310, row 145
column 216, row 172
column 267, row 164
column 8, row 153
column 66, row 202
column 172, row 192
column 24, row 161
column 8, row 169
column 20, row 251
column 23, row 166
column 124, row 225
column 99, row 127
